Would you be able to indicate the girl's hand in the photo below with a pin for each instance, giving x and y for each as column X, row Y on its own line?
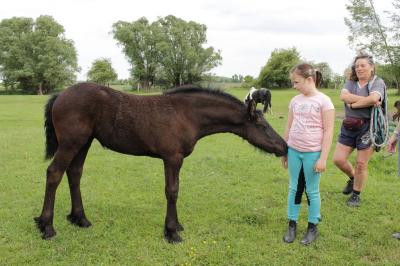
column 284, row 162
column 320, row 166
column 391, row 145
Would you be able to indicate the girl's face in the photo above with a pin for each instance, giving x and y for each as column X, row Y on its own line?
column 303, row 85
column 363, row 69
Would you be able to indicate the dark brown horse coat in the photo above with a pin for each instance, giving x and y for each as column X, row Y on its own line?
column 162, row 126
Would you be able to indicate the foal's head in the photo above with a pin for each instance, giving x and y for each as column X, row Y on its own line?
column 229, row 112
column 261, row 134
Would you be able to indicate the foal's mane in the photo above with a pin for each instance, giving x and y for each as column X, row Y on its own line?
column 198, row 90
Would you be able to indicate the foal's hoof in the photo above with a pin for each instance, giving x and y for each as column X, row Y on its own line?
column 39, row 223
column 179, row 227
column 79, row 221
column 172, row 238
column 47, row 231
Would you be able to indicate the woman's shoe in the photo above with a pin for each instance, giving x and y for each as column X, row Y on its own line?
column 349, row 187
column 354, row 201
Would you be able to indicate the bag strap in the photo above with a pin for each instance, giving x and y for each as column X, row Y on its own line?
column 370, row 83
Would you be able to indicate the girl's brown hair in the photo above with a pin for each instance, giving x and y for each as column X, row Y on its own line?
column 306, row 70
column 352, row 75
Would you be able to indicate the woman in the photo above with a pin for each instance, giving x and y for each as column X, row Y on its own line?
column 361, row 91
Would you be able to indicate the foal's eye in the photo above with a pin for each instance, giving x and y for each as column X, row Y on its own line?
column 260, row 123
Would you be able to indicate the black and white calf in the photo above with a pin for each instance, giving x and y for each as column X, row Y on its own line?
column 262, row 96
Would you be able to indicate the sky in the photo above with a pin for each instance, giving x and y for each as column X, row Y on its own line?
column 245, row 31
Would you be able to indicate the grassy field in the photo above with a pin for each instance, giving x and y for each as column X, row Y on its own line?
column 232, row 203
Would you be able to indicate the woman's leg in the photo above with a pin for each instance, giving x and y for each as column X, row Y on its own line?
column 340, row 159
column 361, row 169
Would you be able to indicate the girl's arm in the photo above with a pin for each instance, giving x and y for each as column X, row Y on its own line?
column 288, row 125
column 286, row 136
column 328, row 118
column 391, row 145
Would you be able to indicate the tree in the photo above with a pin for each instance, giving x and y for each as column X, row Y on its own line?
column 235, row 78
column 169, row 50
column 184, row 59
column 276, row 71
column 368, row 33
column 139, row 40
column 102, row 71
column 337, row 81
column 35, row 55
column 395, row 18
column 385, row 72
column 249, row 81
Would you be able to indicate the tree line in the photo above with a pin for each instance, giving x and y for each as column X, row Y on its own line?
column 36, row 57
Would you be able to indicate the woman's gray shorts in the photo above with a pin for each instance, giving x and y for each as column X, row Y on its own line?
column 359, row 139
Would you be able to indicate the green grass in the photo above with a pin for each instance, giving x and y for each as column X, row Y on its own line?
column 232, row 203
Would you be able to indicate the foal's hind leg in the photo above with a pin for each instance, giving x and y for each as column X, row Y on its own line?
column 74, row 173
column 55, row 171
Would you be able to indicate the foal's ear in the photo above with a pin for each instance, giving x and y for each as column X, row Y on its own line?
column 251, row 109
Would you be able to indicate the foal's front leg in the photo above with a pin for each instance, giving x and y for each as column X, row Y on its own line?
column 172, row 167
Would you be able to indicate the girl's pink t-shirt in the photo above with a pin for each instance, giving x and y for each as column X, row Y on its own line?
column 306, row 132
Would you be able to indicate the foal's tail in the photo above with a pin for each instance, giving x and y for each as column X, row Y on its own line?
column 51, row 139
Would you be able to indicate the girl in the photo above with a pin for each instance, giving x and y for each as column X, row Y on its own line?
column 309, row 133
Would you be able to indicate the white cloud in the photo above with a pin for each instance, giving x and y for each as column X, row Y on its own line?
column 246, row 31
